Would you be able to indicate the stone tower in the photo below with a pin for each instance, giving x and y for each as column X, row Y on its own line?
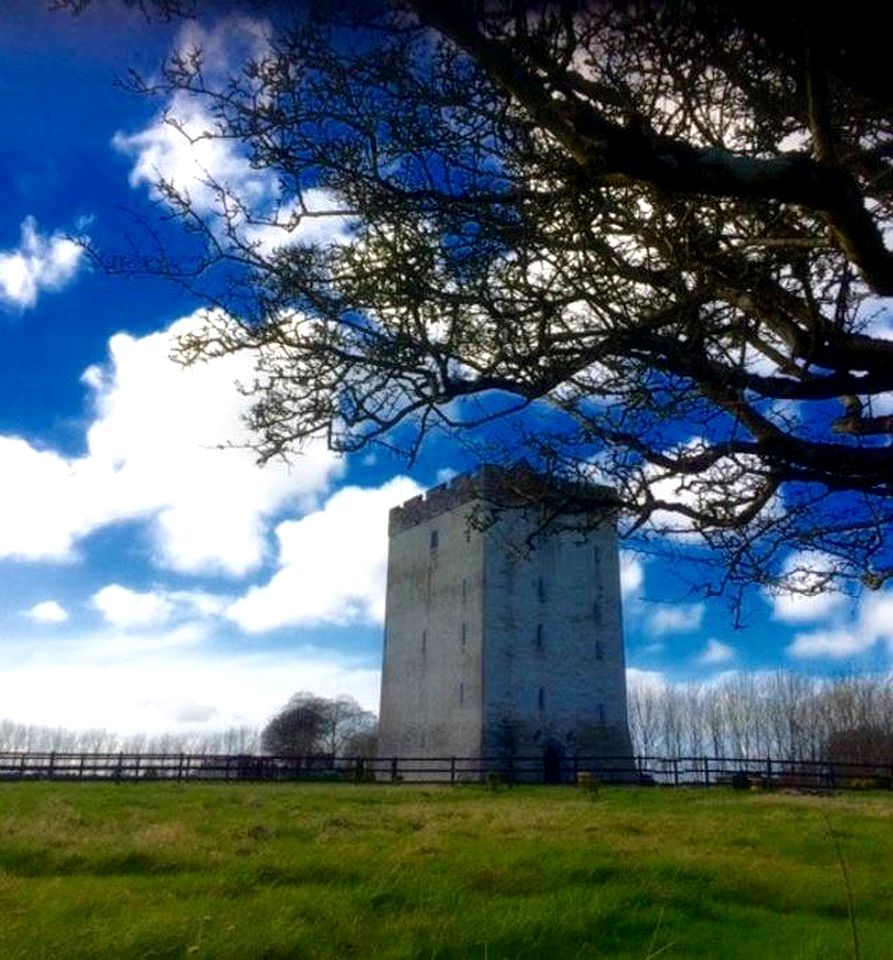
column 502, row 641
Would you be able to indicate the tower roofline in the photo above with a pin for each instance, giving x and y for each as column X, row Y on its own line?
column 503, row 487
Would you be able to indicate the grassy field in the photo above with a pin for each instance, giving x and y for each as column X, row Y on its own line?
column 334, row 871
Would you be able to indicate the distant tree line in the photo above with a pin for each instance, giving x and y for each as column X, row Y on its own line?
column 22, row 737
column 306, row 725
column 782, row 714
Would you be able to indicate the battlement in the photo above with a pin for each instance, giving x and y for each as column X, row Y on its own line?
column 516, row 486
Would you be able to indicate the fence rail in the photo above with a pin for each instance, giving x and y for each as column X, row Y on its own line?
column 705, row 770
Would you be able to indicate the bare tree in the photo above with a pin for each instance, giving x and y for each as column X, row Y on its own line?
column 311, row 724
column 345, row 726
column 784, row 715
column 663, row 222
column 297, row 729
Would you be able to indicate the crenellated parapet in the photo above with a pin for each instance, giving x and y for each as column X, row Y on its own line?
column 440, row 499
column 502, row 486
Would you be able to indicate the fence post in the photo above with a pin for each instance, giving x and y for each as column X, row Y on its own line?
column 768, row 771
column 452, row 771
column 706, row 771
column 675, row 771
column 393, row 769
column 50, row 771
column 180, row 768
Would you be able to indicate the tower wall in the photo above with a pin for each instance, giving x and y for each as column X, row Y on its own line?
column 501, row 642
column 431, row 698
column 554, row 662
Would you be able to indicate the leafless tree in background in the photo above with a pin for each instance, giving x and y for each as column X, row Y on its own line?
column 662, row 225
column 782, row 715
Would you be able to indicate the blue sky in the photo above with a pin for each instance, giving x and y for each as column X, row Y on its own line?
column 150, row 581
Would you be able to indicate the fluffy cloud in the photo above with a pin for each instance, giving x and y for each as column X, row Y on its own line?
column 160, row 682
column 332, row 563
column 127, row 608
column 645, row 679
column 47, row 611
column 716, row 652
column 682, row 618
column 806, row 571
column 123, row 607
column 331, row 569
column 158, row 449
column 180, row 149
column 728, row 485
column 840, row 639
column 38, row 263
column 632, row 574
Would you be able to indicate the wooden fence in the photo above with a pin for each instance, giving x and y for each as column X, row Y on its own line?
column 673, row 771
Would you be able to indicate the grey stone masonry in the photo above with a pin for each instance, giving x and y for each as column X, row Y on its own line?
column 503, row 631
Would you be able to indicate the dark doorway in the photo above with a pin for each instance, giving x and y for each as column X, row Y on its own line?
column 553, row 762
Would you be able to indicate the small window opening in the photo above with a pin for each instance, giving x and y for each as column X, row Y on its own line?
column 424, row 641
column 539, row 636
column 541, row 589
column 597, row 612
column 461, row 693
column 463, row 637
column 541, row 698
column 433, row 540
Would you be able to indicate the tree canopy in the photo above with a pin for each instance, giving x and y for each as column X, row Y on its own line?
column 651, row 238
column 309, row 725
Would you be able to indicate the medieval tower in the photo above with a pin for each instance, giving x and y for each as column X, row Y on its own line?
column 502, row 640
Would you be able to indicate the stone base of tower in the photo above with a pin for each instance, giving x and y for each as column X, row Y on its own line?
column 537, row 756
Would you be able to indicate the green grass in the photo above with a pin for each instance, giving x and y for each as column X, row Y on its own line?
column 337, row 871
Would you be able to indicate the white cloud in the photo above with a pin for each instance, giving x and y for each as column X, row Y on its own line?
column 682, row 618
column 122, row 607
column 716, row 652
column 38, row 263
column 48, row 611
column 157, row 683
column 800, row 608
column 181, row 148
column 840, row 639
column 651, row 679
column 836, row 644
column 127, row 608
column 806, row 571
column 722, row 491
column 332, row 563
column 632, row 574
column 156, row 451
